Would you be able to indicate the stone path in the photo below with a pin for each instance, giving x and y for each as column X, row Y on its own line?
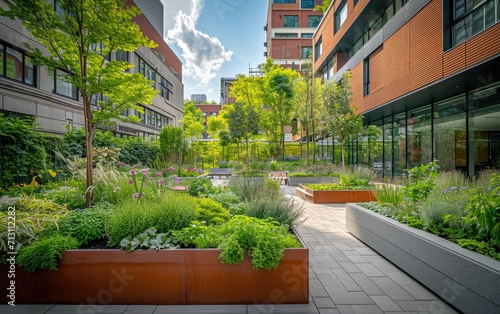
column 346, row 277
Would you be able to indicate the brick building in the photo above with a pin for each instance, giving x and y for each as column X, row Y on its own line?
column 208, row 110
column 426, row 71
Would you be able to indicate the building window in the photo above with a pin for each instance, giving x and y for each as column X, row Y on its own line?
column 62, row 87
column 310, row 35
column 151, row 115
column 15, row 65
column 330, row 68
column 340, row 16
column 166, row 88
column 313, row 21
column 140, row 115
column 204, row 114
column 291, row 21
column 306, row 52
column 145, row 69
column 471, row 17
column 213, row 114
column 159, row 121
column 121, row 55
column 307, row 4
column 366, row 76
column 285, row 35
column 318, row 48
column 284, row 1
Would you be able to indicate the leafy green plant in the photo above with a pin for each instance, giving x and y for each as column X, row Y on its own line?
column 210, row 211
column 71, row 197
column 45, row 253
column 85, row 225
column 229, row 200
column 336, row 186
column 284, row 210
column 200, row 186
column 168, row 211
column 389, row 194
column 421, row 181
column 149, row 239
column 249, row 188
column 483, row 210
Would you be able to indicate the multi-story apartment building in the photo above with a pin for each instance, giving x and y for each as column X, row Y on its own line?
column 289, row 29
column 29, row 90
column 426, row 71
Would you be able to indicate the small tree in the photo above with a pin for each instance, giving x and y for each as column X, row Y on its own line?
column 193, row 125
column 79, row 41
column 338, row 117
column 172, row 145
column 243, row 122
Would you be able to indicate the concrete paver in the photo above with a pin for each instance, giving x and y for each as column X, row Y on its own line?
column 346, row 276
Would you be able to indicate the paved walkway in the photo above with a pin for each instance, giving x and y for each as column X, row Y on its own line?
column 346, row 277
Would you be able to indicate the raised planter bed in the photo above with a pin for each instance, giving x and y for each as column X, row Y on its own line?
column 334, row 196
column 467, row 280
column 183, row 276
column 295, row 181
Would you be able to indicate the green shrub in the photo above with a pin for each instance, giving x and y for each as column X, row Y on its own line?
column 71, row 197
column 282, row 209
column 169, row 211
column 210, row 211
column 389, row 194
column 45, row 253
column 200, row 186
column 249, row 188
column 85, row 225
column 149, row 239
column 229, row 201
column 420, row 181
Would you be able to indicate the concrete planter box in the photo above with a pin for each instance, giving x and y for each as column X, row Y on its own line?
column 295, row 181
column 183, row 276
column 467, row 280
column 334, row 196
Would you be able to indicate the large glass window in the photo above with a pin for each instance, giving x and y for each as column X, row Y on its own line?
column 29, row 71
column 306, row 52
column 306, row 35
column 291, row 21
column 151, row 115
column 366, row 76
column 340, row 16
column 313, row 21
column 399, row 143
column 471, row 17
column 145, row 69
column 284, row 1
column 330, row 68
column 121, row 55
column 286, row 35
column 419, row 136
column 63, row 87
column 307, row 4
column 388, row 153
column 449, row 134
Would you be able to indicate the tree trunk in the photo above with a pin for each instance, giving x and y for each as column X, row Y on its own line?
column 89, row 137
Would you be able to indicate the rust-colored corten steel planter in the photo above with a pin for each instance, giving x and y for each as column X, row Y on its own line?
column 184, row 276
column 335, row 196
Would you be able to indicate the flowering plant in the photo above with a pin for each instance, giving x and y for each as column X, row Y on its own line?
column 140, row 178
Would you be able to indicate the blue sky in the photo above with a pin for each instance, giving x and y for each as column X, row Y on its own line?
column 214, row 39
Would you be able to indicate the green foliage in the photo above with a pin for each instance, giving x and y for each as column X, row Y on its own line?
column 211, row 212
column 200, row 186
column 149, row 239
column 172, row 145
column 71, row 197
column 264, row 240
column 420, row 181
column 85, row 225
column 23, row 154
column 389, row 194
column 168, row 211
column 45, row 253
column 229, row 200
column 482, row 247
column 354, row 184
column 250, row 188
column 483, row 210
column 284, row 210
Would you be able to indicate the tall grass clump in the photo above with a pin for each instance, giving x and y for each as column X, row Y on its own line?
column 389, row 194
column 250, row 188
column 282, row 209
column 170, row 211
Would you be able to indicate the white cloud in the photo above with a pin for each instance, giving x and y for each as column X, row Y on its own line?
column 203, row 55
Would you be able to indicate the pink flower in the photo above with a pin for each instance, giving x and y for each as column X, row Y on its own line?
column 135, row 195
column 171, row 169
column 145, row 170
column 135, row 166
column 158, row 174
column 131, row 181
column 133, row 172
column 161, row 181
column 121, row 164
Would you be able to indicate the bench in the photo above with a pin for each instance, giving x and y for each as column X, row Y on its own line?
column 279, row 175
column 220, row 172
